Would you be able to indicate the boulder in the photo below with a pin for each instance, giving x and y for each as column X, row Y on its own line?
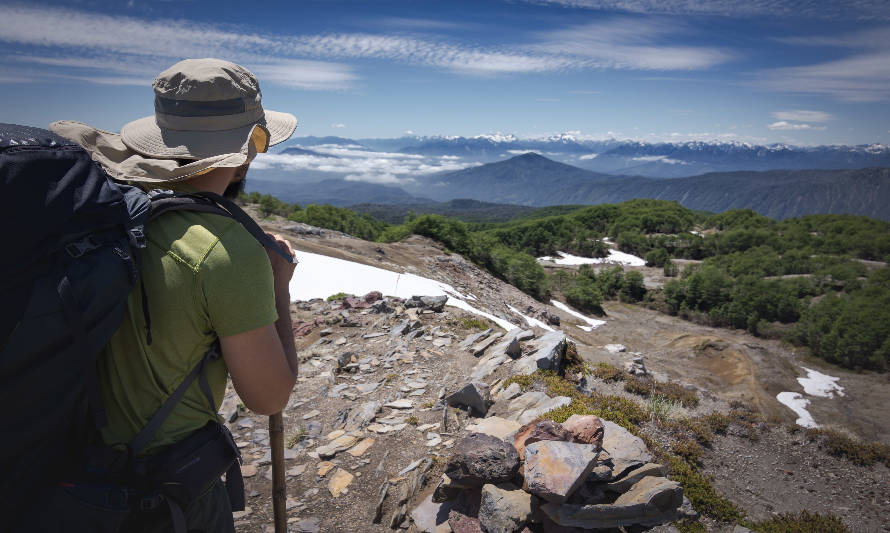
column 509, row 343
column 495, row 426
column 505, row 508
column 487, row 365
column 652, row 501
column 585, row 429
column 621, row 444
column 538, row 430
column 554, row 469
column 401, row 328
column 508, row 393
column 474, row 395
column 433, row 303
column 548, row 355
column 479, row 459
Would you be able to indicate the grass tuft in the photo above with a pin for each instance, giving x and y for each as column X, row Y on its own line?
column 840, row 445
column 803, row 522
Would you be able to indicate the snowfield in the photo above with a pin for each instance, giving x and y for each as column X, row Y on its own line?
column 592, row 322
column 319, row 276
column 615, row 257
column 819, row 384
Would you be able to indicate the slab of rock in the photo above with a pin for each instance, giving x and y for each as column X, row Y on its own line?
column 508, row 393
column 479, row 459
column 461, row 523
column 361, row 447
column 587, row 429
column 652, row 501
column 400, row 329
column 475, row 337
column 554, row 469
column 323, row 468
column 505, row 508
column 480, row 347
column 487, row 365
column 621, row 467
column 432, row 517
column 340, row 444
column 495, row 426
column 339, row 481
column 400, row 404
column 621, row 444
column 474, row 395
column 533, row 404
column 624, row 484
column 615, row 348
column 538, row 430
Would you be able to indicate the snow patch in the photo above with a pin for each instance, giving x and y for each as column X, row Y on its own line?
column 819, row 384
column 592, row 322
column 797, row 403
column 531, row 321
column 615, row 257
column 319, row 276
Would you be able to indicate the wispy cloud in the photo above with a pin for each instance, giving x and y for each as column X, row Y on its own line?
column 105, row 48
column 803, row 115
column 631, row 43
column 860, row 78
column 838, row 9
column 783, row 125
column 355, row 163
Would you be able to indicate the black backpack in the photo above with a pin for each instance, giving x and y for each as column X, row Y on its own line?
column 70, row 236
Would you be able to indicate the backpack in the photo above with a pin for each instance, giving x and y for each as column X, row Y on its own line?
column 71, row 236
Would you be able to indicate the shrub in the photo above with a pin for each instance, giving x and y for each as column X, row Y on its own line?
column 802, row 522
column 608, row 373
column 337, row 296
column 701, row 493
column 841, row 445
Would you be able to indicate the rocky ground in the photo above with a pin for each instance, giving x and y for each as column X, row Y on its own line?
column 367, row 411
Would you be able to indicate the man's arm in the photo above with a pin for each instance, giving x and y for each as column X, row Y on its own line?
column 263, row 362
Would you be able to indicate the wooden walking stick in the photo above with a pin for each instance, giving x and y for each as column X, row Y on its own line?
column 279, row 490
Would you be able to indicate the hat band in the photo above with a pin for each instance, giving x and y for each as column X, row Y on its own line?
column 198, row 108
column 210, row 123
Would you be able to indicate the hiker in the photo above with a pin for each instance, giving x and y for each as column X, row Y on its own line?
column 203, row 280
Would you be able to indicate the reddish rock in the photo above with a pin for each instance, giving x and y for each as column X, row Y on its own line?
column 372, row 296
column 554, row 470
column 538, row 430
column 461, row 523
column 587, row 429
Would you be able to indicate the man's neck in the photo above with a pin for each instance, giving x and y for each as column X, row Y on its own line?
column 214, row 181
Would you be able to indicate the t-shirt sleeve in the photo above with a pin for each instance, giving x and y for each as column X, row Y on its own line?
column 236, row 279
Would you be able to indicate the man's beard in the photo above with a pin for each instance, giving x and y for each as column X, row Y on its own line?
column 234, row 190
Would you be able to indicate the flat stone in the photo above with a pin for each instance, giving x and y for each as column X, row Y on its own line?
column 621, row 444
column 306, row 525
column 479, row 459
column 339, row 481
column 533, row 404
column 620, row 467
column 652, row 501
column 615, row 348
column 432, row 517
column 340, row 444
column 506, row 394
column 442, row 342
column 480, row 347
column 505, row 508
column 487, row 365
column 361, row 416
column 475, row 338
column 536, row 431
column 474, row 395
column 586, row 429
column 554, row 469
column 495, row 426
column 323, row 468
column 367, row 388
column 248, row 470
column 296, row 470
column 334, row 434
column 624, row 484
column 404, row 403
column 325, row 332
column 361, row 447
column 311, row 414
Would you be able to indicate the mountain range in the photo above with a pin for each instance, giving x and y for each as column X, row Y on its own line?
column 533, row 180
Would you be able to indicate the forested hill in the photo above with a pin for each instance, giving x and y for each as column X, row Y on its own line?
column 534, row 180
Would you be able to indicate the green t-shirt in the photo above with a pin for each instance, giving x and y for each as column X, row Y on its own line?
column 205, row 276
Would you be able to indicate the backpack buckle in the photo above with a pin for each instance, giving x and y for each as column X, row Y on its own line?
column 137, row 237
column 78, row 248
column 151, row 502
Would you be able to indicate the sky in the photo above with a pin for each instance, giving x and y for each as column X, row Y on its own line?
column 761, row 71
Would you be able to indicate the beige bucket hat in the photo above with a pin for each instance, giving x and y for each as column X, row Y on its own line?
column 207, row 111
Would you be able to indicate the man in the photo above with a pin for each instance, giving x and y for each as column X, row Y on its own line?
column 204, row 277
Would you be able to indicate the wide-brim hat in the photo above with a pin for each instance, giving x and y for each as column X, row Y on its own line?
column 208, row 114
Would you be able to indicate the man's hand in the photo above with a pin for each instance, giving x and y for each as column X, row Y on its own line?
column 282, row 271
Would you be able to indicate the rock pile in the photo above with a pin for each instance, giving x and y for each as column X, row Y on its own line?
column 568, row 477
column 636, row 366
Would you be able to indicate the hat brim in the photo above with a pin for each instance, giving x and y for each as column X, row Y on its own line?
column 146, row 137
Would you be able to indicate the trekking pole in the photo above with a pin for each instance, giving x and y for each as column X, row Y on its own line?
column 279, row 490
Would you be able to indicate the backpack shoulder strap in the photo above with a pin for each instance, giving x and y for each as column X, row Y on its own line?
column 209, row 202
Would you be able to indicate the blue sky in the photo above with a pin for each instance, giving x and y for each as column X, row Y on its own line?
column 793, row 71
